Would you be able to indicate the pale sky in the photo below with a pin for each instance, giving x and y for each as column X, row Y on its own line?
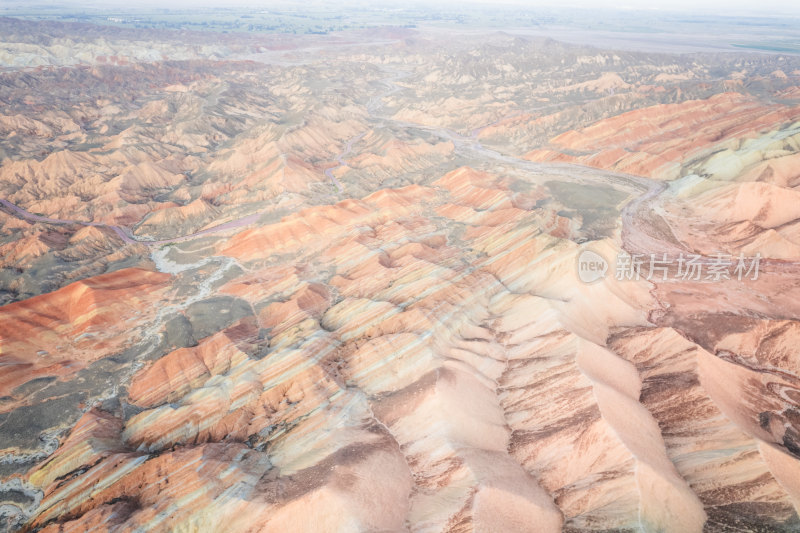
column 721, row 7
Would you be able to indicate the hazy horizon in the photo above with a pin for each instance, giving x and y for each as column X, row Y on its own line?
column 704, row 7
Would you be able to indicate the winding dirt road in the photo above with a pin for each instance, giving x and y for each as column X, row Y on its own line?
column 341, row 162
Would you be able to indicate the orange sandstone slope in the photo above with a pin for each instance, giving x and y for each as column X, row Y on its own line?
column 59, row 333
column 656, row 141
